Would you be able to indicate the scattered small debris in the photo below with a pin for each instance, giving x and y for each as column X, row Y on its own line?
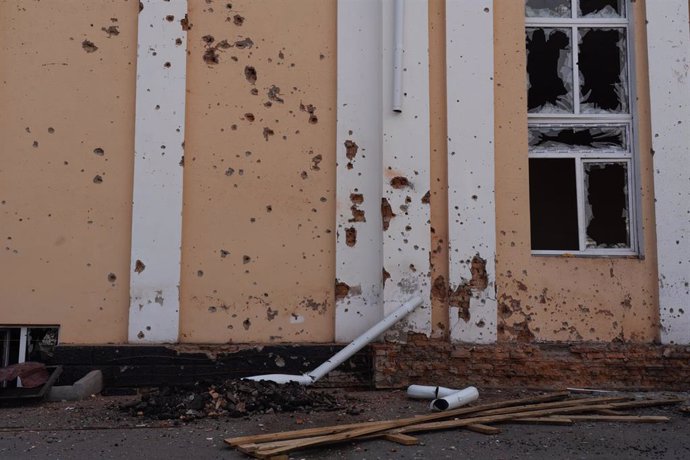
column 233, row 398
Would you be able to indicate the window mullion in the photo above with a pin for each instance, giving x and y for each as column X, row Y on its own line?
column 576, row 73
column 580, row 184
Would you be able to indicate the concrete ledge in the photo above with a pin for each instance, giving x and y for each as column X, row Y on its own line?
column 91, row 383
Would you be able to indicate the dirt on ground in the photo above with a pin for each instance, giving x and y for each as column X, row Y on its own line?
column 99, row 428
column 232, row 398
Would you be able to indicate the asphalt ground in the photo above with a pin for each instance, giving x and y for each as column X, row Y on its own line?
column 98, row 429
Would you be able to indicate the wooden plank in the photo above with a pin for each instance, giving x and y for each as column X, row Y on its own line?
column 619, row 418
column 409, row 425
column 553, row 405
column 647, row 403
column 400, row 438
column 543, row 421
column 610, row 412
column 483, row 429
column 339, row 428
column 457, row 423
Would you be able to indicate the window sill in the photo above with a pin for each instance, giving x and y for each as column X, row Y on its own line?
column 598, row 254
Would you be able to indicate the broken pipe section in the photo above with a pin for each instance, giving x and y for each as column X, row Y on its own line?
column 429, row 392
column 455, row 400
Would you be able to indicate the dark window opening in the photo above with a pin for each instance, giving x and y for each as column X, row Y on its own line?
column 601, row 8
column 607, row 205
column 603, row 86
column 549, row 71
column 553, row 204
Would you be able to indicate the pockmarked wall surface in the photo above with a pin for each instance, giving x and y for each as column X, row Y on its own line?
column 564, row 298
column 67, row 79
column 258, row 259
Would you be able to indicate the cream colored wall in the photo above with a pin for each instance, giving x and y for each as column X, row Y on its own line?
column 274, row 211
column 561, row 298
column 65, row 252
column 439, row 167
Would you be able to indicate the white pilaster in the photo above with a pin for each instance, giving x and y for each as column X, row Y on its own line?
column 157, row 208
column 471, row 204
column 406, row 180
column 358, row 244
column 668, row 44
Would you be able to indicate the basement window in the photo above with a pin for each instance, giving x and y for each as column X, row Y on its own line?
column 580, row 127
column 29, row 343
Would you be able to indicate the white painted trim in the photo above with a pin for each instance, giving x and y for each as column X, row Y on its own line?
column 359, row 121
column 157, row 208
column 21, row 357
column 471, row 203
column 668, row 44
column 406, row 144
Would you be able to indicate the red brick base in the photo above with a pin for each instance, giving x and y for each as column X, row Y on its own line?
column 543, row 365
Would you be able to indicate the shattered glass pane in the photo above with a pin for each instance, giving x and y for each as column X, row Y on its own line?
column 547, row 9
column 549, row 71
column 561, row 138
column 603, row 71
column 601, row 8
column 606, row 211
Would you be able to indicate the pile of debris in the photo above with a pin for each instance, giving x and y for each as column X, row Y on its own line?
column 556, row 408
column 233, row 398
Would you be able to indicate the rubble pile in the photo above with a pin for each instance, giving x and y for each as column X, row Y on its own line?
column 233, row 398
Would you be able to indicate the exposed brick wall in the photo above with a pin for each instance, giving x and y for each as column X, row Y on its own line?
column 541, row 365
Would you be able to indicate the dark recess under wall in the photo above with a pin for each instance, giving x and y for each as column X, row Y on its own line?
column 139, row 366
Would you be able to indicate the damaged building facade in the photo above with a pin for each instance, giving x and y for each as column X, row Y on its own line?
column 289, row 172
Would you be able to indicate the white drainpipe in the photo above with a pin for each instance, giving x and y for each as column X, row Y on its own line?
column 398, row 43
column 344, row 354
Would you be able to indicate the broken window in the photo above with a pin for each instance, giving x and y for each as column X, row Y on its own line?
column 549, row 71
column 606, row 211
column 601, row 64
column 548, row 8
column 546, row 138
column 553, row 203
column 580, row 125
column 600, row 8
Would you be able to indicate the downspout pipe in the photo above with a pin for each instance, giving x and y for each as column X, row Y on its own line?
column 343, row 355
column 398, row 44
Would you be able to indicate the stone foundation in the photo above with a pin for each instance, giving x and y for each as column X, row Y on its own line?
column 532, row 365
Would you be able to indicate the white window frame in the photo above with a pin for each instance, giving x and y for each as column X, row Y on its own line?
column 582, row 156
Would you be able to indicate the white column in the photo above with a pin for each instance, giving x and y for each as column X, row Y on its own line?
column 358, row 243
column 471, row 204
column 668, row 44
column 406, row 180
column 157, row 208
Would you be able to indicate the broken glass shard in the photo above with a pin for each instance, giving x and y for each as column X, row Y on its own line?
column 549, row 71
column 606, row 212
column 553, row 204
column 562, row 138
column 547, row 9
column 601, row 8
column 603, row 72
